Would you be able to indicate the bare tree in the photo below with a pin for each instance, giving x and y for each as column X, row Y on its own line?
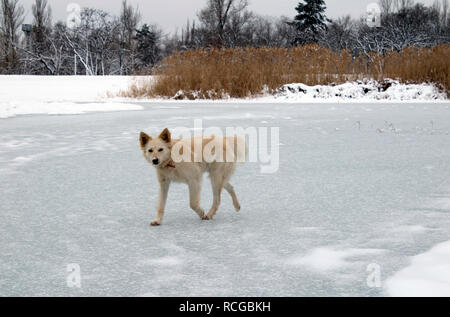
column 285, row 32
column 339, row 34
column 403, row 4
column 444, row 14
column 129, row 20
column 263, row 31
column 273, row 32
column 216, row 16
column 239, row 31
column 53, row 60
column 42, row 20
column 11, row 18
column 38, row 42
column 412, row 26
column 387, row 6
column 95, row 42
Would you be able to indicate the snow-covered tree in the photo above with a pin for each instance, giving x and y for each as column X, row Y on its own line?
column 310, row 21
column 148, row 51
column 38, row 43
column 129, row 19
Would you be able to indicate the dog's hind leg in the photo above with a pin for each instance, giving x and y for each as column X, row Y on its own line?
column 230, row 189
column 194, row 198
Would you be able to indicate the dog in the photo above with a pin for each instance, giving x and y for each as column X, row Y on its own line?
column 220, row 164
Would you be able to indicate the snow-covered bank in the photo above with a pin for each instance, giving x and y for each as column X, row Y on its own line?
column 390, row 90
column 428, row 275
column 368, row 91
column 21, row 95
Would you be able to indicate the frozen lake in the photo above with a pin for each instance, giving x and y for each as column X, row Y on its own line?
column 359, row 186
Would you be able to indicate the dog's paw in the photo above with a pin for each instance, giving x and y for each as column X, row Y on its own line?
column 206, row 217
column 155, row 223
column 237, row 207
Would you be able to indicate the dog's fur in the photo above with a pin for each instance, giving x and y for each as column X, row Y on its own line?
column 190, row 173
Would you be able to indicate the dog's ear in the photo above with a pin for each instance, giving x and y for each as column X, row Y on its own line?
column 165, row 136
column 143, row 139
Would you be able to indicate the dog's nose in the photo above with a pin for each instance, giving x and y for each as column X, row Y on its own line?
column 155, row 161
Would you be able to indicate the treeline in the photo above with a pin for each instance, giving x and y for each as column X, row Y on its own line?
column 98, row 43
column 91, row 42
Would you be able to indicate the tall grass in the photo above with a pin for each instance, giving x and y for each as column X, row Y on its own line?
column 420, row 65
column 244, row 72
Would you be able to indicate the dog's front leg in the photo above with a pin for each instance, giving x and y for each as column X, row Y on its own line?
column 164, row 185
column 194, row 197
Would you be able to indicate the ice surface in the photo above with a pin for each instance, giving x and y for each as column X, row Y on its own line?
column 358, row 184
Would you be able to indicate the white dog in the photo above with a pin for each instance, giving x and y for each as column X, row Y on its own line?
column 220, row 164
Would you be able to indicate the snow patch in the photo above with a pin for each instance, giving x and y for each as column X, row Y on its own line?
column 427, row 275
column 165, row 261
column 364, row 91
column 412, row 229
column 325, row 259
column 21, row 159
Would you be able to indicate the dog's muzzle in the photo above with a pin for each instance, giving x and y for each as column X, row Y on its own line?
column 155, row 161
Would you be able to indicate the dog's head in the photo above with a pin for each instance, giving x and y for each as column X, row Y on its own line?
column 157, row 151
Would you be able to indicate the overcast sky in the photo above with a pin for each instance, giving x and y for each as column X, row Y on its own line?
column 171, row 15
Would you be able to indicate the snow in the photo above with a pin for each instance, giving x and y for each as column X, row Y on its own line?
column 61, row 95
column 428, row 275
column 389, row 90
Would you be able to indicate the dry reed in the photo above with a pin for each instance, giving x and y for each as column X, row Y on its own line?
column 246, row 72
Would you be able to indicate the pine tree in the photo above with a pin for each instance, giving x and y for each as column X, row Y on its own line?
column 147, row 45
column 310, row 21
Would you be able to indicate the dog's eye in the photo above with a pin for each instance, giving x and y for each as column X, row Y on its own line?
column 160, row 150
column 151, row 151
